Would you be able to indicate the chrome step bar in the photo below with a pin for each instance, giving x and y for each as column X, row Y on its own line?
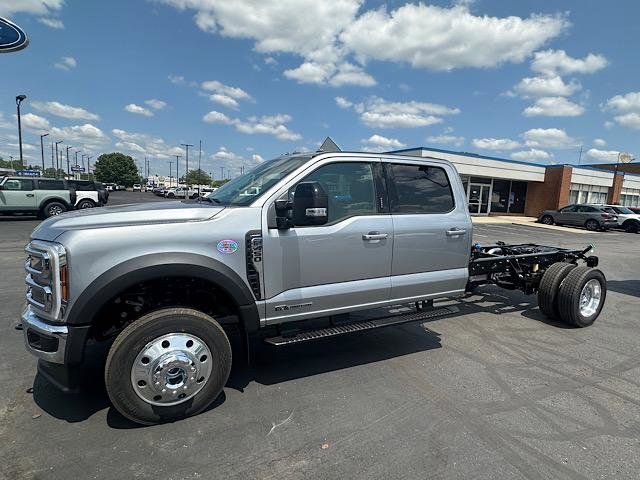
column 311, row 335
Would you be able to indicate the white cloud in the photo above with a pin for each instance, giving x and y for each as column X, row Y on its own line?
column 377, row 112
column 137, row 109
column 65, row 111
column 176, row 79
column 155, row 103
column 531, row 154
column 37, row 7
column 627, row 108
column 439, row 38
column 80, row 134
column 553, row 107
column 599, row 142
column 445, row 139
column 554, row 62
column 552, row 86
column 34, row 122
column 145, row 143
column 328, row 36
column 231, row 162
column 52, row 22
column 66, row 63
column 257, row 158
column 603, row 155
column 267, row 124
column 4, row 123
column 384, row 141
column 548, row 138
column 495, row 143
column 224, row 100
column 234, row 92
column 343, row 102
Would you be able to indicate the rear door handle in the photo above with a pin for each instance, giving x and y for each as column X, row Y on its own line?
column 374, row 236
column 455, row 232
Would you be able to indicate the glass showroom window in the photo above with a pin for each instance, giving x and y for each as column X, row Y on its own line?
column 630, row 197
column 581, row 193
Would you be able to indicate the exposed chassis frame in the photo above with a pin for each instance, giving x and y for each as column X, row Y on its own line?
column 519, row 267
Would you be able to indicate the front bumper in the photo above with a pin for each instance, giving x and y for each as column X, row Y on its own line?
column 42, row 339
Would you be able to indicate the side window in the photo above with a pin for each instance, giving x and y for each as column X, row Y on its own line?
column 586, row 209
column 349, row 186
column 18, row 184
column 419, row 189
column 51, row 185
column 570, row 208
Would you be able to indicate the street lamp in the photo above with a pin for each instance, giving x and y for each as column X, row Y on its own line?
column 42, row 150
column 19, row 100
column 68, row 172
column 89, row 166
column 57, row 161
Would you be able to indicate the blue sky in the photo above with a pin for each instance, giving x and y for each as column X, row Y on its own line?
column 527, row 80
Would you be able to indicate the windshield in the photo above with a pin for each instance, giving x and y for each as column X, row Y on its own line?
column 246, row 188
column 623, row 210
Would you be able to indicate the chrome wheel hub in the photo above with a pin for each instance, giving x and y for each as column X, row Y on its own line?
column 171, row 369
column 590, row 298
column 55, row 210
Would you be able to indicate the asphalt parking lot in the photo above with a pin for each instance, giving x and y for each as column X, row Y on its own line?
column 497, row 392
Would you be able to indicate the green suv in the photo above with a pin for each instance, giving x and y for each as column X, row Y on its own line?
column 44, row 197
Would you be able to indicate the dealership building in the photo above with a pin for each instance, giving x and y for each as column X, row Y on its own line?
column 500, row 186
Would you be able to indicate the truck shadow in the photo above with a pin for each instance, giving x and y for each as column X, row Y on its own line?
column 270, row 366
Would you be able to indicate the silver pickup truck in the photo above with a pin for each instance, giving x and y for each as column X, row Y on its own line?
column 276, row 256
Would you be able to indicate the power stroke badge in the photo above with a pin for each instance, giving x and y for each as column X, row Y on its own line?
column 227, row 246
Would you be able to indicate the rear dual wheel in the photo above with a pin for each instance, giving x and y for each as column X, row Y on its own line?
column 572, row 294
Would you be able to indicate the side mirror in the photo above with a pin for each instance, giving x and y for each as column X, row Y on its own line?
column 310, row 205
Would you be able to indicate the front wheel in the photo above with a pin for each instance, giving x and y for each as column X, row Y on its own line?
column 85, row 204
column 53, row 209
column 591, row 225
column 547, row 220
column 169, row 364
column 581, row 296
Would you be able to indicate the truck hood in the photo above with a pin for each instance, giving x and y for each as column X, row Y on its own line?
column 125, row 215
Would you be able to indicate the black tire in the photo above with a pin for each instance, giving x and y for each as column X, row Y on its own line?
column 86, row 203
column 171, row 195
column 631, row 227
column 549, row 285
column 52, row 209
column 547, row 220
column 591, row 225
column 570, row 292
column 133, row 339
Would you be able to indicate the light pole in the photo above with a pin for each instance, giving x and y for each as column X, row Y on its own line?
column 57, row 157
column 89, row 166
column 76, row 153
column 178, row 157
column 186, row 147
column 68, row 171
column 170, row 170
column 42, row 150
column 19, row 100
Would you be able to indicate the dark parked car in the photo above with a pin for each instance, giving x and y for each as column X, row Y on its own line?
column 592, row 217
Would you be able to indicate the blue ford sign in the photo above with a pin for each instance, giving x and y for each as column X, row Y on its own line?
column 12, row 37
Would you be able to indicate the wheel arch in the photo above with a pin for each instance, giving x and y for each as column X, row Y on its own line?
column 153, row 267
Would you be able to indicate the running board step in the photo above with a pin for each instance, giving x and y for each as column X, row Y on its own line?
column 311, row 335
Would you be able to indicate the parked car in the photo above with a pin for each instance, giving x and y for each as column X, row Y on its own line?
column 634, row 209
column 110, row 187
column 137, row 187
column 45, row 197
column 627, row 219
column 261, row 264
column 89, row 193
column 181, row 192
column 592, row 217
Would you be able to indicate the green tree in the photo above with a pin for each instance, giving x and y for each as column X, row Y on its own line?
column 116, row 168
column 197, row 177
column 51, row 173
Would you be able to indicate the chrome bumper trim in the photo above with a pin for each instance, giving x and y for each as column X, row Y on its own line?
column 30, row 321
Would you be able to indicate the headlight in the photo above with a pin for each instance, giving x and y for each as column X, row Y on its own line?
column 47, row 279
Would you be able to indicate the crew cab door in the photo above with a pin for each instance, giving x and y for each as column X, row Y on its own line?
column 432, row 230
column 17, row 194
column 343, row 265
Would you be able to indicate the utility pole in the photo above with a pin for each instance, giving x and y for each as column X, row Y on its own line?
column 580, row 155
column 42, row 151
column 77, row 151
column 89, row 166
column 53, row 167
column 186, row 147
column 170, row 170
column 57, row 158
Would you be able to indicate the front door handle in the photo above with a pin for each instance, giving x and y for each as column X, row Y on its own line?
column 30, row 194
column 374, row 236
column 455, row 232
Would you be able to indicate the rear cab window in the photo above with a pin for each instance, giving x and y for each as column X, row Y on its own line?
column 51, row 184
column 418, row 189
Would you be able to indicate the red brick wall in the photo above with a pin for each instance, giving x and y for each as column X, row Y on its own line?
column 552, row 193
column 614, row 191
